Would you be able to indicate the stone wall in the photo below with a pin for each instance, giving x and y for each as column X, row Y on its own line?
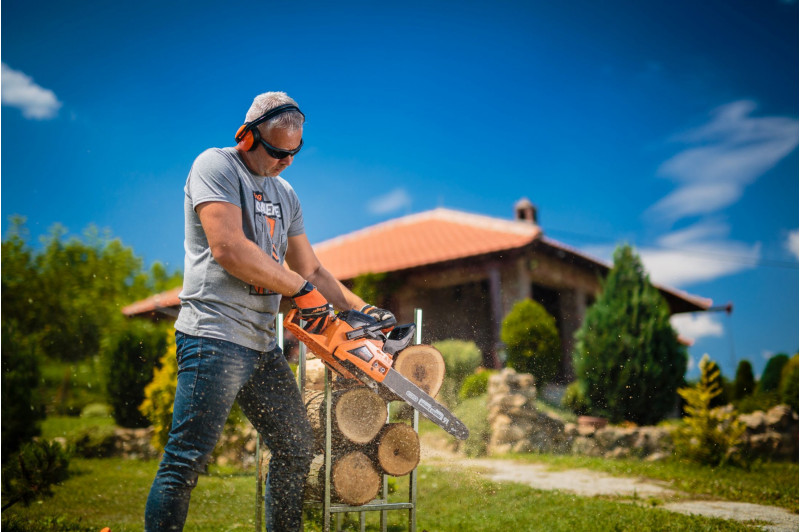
column 516, row 425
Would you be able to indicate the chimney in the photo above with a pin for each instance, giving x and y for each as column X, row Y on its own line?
column 524, row 211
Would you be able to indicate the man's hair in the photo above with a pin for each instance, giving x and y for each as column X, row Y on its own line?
column 262, row 103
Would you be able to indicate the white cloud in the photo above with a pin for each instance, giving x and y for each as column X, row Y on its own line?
column 20, row 91
column 697, row 326
column 393, row 201
column 791, row 243
column 698, row 253
column 723, row 156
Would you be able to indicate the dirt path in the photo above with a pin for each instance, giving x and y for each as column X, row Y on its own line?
column 592, row 483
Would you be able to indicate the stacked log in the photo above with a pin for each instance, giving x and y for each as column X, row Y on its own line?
column 363, row 445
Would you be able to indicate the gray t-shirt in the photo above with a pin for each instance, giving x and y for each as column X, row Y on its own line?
column 214, row 303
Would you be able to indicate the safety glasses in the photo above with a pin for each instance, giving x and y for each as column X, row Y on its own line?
column 277, row 153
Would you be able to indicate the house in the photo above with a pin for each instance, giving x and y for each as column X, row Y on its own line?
column 466, row 271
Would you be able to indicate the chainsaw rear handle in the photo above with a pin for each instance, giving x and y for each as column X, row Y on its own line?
column 370, row 331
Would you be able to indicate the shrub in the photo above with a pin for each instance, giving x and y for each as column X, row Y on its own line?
column 461, row 358
column 92, row 442
column 575, row 398
column 22, row 408
column 160, row 396
column 745, row 383
column 627, row 354
column 771, row 378
column 708, row 435
column 475, row 385
column 31, row 473
column 133, row 356
column 758, row 401
column 789, row 383
column 474, row 414
column 96, row 410
column 532, row 340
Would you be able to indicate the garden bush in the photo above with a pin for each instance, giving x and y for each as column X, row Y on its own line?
column 474, row 413
column 575, row 398
column 627, row 354
column 461, row 359
column 532, row 341
column 758, row 401
column 131, row 359
column 708, row 435
column 475, row 385
column 92, row 442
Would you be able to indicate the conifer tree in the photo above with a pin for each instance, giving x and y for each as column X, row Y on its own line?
column 627, row 354
column 745, row 381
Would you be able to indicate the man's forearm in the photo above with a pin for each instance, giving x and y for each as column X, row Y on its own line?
column 247, row 262
column 335, row 292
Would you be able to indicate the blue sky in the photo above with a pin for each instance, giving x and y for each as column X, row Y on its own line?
column 669, row 125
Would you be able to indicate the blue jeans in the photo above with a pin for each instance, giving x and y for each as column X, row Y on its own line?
column 211, row 375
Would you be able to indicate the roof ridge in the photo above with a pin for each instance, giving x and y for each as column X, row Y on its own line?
column 441, row 213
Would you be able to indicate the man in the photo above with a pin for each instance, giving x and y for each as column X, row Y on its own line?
column 242, row 220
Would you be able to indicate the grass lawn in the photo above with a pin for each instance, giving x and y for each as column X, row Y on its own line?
column 112, row 492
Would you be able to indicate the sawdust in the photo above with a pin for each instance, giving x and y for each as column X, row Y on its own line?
column 592, row 483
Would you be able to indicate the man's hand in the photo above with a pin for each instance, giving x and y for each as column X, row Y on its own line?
column 313, row 308
column 377, row 313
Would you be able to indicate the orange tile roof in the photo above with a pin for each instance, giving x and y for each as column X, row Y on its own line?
column 419, row 239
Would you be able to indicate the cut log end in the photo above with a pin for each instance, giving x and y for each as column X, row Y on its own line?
column 360, row 414
column 423, row 365
column 354, row 479
column 397, row 449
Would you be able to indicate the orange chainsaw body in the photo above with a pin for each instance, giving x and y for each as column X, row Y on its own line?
column 340, row 353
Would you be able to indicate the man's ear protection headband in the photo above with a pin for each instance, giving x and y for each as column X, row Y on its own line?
column 248, row 137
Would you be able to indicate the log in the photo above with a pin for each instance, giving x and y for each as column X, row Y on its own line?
column 358, row 414
column 354, row 479
column 396, row 449
column 315, row 377
column 423, row 365
column 315, row 374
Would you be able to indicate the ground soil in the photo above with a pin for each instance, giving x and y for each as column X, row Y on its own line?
column 593, row 483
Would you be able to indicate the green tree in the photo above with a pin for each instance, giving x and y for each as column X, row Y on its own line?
column 22, row 407
column 745, row 383
column 789, row 383
column 771, row 378
column 64, row 297
column 627, row 356
column 532, row 340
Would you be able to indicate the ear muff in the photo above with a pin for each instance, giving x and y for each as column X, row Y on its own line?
column 248, row 137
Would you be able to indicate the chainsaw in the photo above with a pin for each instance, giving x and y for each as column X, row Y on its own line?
column 357, row 346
